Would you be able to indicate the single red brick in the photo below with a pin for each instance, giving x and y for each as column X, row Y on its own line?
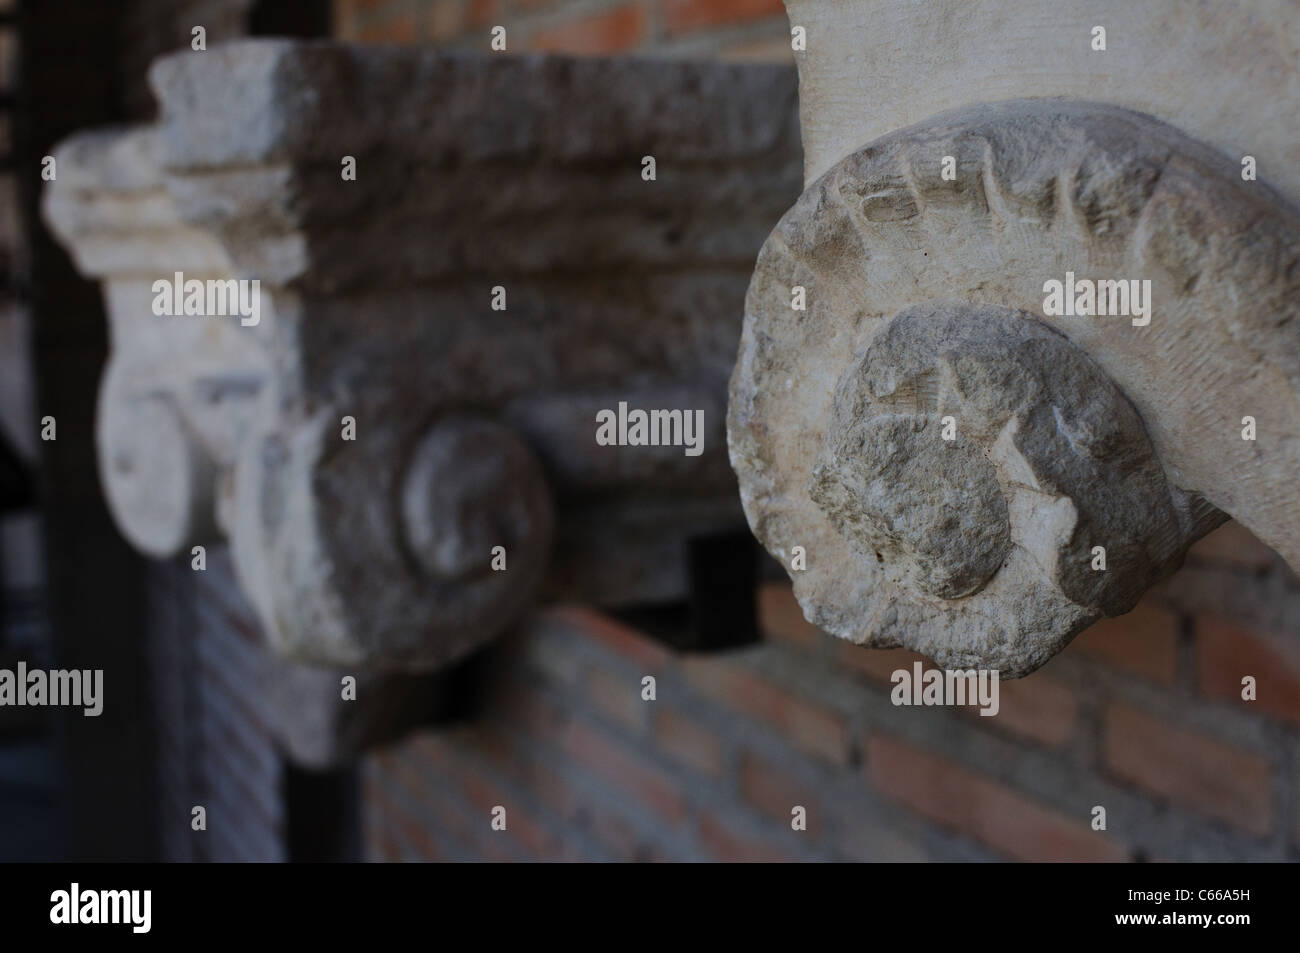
column 1002, row 819
column 445, row 21
column 612, row 32
column 781, row 619
column 1189, row 769
column 727, row 846
column 1143, row 642
column 652, row 656
column 1226, row 652
column 480, row 12
column 688, row 743
column 683, row 15
column 1233, row 545
column 623, row 769
column 772, row 791
column 395, row 29
column 807, row 725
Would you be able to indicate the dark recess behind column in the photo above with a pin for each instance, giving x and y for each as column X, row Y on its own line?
column 324, row 815
column 67, row 82
column 303, row 18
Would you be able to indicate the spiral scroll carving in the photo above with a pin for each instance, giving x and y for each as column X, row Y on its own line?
column 950, row 457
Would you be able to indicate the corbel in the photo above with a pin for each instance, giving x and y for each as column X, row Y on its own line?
column 461, row 261
column 942, row 454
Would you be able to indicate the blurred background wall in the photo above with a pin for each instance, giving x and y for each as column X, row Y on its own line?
column 1141, row 715
column 727, row 29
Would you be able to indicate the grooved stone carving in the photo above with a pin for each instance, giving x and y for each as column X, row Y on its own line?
column 925, row 303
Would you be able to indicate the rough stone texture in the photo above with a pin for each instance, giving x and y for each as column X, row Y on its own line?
column 1048, row 460
column 472, row 486
column 472, row 172
column 918, row 291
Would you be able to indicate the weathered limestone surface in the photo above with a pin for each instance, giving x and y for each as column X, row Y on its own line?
column 175, row 400
column 925, row 301
column 1223, row 73
column 475, row 427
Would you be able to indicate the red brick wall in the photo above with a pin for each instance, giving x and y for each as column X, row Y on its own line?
column 731, row 29
column 1141, row 715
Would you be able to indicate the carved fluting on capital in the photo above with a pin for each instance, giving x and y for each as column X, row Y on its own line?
column 977, row 474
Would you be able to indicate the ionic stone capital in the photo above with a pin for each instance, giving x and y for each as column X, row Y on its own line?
column 400, row 445
column 972, row 473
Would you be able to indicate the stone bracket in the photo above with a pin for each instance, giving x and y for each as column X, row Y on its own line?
column 414, row 404
column 968, row 471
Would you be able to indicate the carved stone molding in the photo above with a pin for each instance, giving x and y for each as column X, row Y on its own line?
column 474, row 428
column 950, row 455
